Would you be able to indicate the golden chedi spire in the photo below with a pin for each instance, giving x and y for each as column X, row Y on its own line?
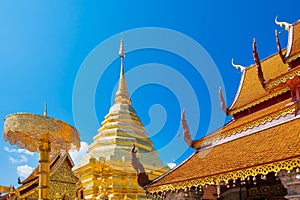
column 122, row 95
column 45, row 110
column 111, row 151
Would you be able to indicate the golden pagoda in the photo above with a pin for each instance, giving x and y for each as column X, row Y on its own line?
column 106, row 171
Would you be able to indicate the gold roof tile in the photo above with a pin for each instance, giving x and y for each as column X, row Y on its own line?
column 251, row 91
column 249, row 121
column 295, row 42
column 276, row 144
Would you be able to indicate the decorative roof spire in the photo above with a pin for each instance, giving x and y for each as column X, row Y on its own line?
column 122, row 95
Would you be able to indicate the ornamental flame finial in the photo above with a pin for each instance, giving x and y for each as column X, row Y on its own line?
column 242, row 68
column 281, row 24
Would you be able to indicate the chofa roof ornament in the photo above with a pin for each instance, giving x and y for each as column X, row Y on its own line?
column 242, row 68
column 281, row 24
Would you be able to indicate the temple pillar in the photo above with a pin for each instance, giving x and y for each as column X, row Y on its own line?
column 44, row 166
column 291, row 182
column 191, row 194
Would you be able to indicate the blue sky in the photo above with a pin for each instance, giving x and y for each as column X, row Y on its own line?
column 44, row 44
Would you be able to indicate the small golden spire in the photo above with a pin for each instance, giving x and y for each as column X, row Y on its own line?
column 242, row 68
column 122, row 55
column 122, row 92
column 45, row 110
column 281, row 24
column 121, row 51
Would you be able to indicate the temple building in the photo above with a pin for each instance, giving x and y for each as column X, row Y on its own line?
column 62, row 182
column 256, row 155
column 105, row 172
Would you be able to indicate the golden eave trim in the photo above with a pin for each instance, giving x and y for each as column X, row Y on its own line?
column 265, row 98
column 254, row 123
column 292, row 58
column 287, row 164
column 290, row 75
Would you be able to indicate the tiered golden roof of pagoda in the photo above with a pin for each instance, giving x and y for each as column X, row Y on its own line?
column 109, row 155
column 121, row 128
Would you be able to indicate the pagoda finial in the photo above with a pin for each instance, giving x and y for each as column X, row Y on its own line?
column 122, row 95
column 45, row 110
column 122, row 55
column 258, row 65
column 242, row 68
column 281, row 24
column 279, row 46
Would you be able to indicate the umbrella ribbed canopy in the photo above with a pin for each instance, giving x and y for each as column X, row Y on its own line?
column 25, row 130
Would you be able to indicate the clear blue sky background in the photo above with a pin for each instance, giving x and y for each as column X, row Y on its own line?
column 43, row 44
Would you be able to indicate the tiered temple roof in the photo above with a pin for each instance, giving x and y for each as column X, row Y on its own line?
column 263, row 136
column 250, row 92
column 62, row 181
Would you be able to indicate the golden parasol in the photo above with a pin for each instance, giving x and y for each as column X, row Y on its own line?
column 42, row 134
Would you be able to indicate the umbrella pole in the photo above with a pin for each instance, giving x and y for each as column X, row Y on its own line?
column 44, row 166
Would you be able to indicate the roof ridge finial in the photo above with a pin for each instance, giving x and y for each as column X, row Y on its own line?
column 242, row 68
column 281, row 24
column 45, row 110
